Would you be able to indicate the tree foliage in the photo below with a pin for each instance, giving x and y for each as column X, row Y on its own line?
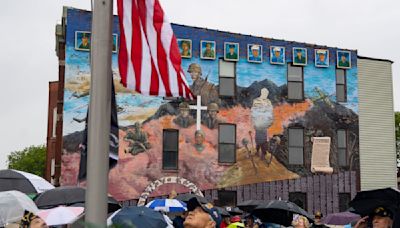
column 31, row 159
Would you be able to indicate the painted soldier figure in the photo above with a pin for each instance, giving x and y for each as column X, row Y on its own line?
column 184, row 119
column 137, row 140
column 199, row 137
column 210, row 119
column 201, row 87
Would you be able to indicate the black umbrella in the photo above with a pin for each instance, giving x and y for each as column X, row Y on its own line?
column 22, row 181
column 279, row 212
column 69, row 196
column 187, row 196
column 366, row 201
column 138, row 217
column 249, row 205
column 234, row 211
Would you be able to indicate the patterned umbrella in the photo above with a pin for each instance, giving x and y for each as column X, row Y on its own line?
column 167, row 205
column 28, row 183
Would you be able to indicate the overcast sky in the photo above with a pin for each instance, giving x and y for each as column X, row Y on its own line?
column 28, row 60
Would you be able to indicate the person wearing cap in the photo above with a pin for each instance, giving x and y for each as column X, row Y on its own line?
column 211, row 119
column 321, row 60
column 184, row 119
column 318, row 221
column 382, row 218
column 300, row 59
column 84, row 42
column 201, row 215
column 255, row 53
column 277, row 55
column 201, row 87
column 30, row 220
column 209, row 52
column 231, row 54
column 343, row 61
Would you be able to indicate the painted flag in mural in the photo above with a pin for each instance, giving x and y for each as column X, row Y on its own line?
column 114, row 139
column 149, row 59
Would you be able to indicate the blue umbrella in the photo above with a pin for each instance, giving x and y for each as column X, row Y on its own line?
column 167, row 205
column 139, row 217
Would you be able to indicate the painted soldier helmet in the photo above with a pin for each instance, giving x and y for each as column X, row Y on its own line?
column 184, row 106
column 194, row 67
column 137, row 125
column 255, row 47
column 212, row 107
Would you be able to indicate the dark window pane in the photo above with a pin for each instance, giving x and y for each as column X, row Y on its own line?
column 340, row 73
column 170, row 160
column 344, row 200
column 295, row 90
column 299, row 198
column 170, row 140
column 340, row 93
column 226, row 198
column 227, row 87
column 226, row 69
column 296, row 137
column 296, row 155
column 227, row 133
column 340, row 79
column 227, row 153
column 295, row 73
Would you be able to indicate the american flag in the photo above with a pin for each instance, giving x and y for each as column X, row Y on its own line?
column 149, row 59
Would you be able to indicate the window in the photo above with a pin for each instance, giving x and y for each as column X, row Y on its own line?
column 170, row 149
column 299, row 198
column 227, row 143
column 341, row 94
column 344, row 201
column 227, row 78
column 296, row 146
column 342, row 147
column 226, row 198
column 54, row 129
column 295, row 82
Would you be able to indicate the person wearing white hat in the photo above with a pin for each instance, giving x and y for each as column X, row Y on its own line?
column 321, row 58
column 277, row 55
column 254, row 55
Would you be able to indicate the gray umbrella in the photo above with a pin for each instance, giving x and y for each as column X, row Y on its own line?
column 69, row 196
column 22, row 181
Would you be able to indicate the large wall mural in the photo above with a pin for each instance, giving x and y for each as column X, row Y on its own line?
column 261, row 111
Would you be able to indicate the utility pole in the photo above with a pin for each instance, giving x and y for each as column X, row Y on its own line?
column 100, row 113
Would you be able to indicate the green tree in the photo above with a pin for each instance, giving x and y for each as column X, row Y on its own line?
column 31, row 159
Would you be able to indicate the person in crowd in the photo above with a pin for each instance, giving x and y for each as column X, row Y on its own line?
column 201, row 215
column 318, row 221
column 381, row 217
column 300, row 221
column 30, row 220
column 236, row 222
column 226, row 220
column 250, row 222
column 178, row 220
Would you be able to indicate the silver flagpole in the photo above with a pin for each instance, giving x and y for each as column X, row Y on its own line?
column 100, row 113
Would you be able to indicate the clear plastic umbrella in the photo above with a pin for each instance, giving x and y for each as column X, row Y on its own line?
column 13, row 204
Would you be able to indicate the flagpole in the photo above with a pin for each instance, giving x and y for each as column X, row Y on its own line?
column 100, row 113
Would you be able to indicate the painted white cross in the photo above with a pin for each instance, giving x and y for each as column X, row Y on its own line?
column 198, row 109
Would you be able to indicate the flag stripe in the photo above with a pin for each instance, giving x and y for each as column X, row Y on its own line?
column 149, row 57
